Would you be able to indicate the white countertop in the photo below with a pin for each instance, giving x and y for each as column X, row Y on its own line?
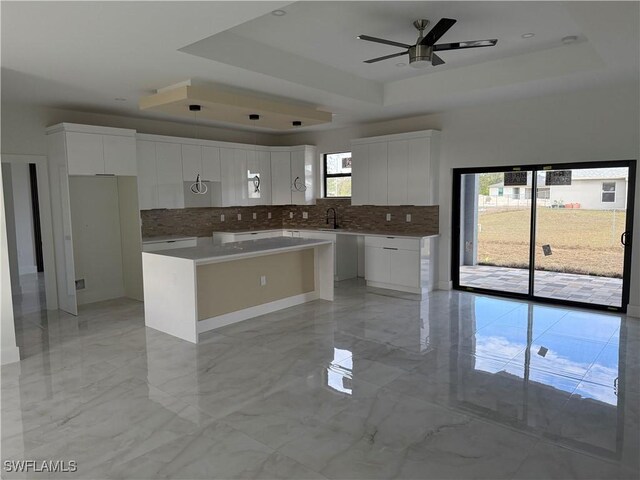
column 236, row 250
column 337, row 231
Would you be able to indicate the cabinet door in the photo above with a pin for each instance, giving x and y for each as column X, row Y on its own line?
column 191, row 162
column 397, row 172
column 85, row 155
column 147, row 175
column 264, row 162
column 119, row 155
column 258, row 177
column 376, row 264
column 420, row 188
column 378, row 173
column 169, row 167
column 241, row 177
column 227, row 159
column 404, row 268
column 211, row 164
column 280, row 178
column 298, row 178
column 360, row 175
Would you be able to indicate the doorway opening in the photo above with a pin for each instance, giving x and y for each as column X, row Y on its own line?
column 554, row 233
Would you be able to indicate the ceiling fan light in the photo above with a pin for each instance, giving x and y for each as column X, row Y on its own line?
column 421, row 62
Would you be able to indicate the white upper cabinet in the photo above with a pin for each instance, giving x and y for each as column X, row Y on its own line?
column 85, row 155
column 169, row 171
column 211, row 164
column 233, row 177
column 281, row 178
column 259, row 177
column 360, row 174
column 119, row 155
column 396, row 169
column 92, row 150
column 191, row 162
column 147, row 175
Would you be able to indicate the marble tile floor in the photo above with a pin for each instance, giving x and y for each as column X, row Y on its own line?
column 369, row 386
column 561, row 286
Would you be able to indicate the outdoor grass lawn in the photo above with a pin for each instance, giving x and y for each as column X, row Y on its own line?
column 582, row 241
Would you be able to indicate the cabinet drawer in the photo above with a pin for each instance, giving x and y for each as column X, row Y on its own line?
column 398, row 243
column 168, row 245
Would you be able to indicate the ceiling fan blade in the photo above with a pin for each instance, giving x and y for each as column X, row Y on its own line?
column 438, row 31
column 461, row 45
column 383, row 41
column 436, row 60
column 379, row 59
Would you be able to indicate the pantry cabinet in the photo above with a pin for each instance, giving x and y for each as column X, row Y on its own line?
column 396, row 169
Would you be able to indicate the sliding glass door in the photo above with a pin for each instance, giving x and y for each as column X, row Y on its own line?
column 557, row 233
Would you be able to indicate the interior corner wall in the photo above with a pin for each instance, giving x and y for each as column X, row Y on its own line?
column 25, row 237
column 8, row 212
column 587, row 125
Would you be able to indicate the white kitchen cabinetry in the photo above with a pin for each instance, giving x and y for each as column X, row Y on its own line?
column 394, row 263
column 92, row 150
column 169, row 171
column 396, row 169
column 233, row 175
column 147, row 175
column 211, row 164
column 281, row 178
column 258, row 179
column 227, row 237
column 157, row 245
column 191, row 162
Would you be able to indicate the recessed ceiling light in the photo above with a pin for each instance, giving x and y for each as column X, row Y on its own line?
column 120, row 99
column 401, row 64
column 528, row 35
column 279, row 13
column 569, row 39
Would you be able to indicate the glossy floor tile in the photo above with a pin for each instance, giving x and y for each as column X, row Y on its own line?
column 369, row 386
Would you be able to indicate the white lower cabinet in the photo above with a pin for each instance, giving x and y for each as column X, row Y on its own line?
column 226, row 237
column 153, row 246
column 393, row 263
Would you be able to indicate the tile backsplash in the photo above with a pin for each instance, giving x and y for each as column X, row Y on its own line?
column 201, row 222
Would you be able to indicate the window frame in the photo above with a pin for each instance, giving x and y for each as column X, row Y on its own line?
column 326, row 175
column 603, row 191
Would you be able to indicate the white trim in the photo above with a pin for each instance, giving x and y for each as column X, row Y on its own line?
column 445, row 285
column 614, row 191
column 27, row 269
column 397, row 136
column 76, row 127
column 46, row 222
column 393, row 286
column 251, row 312
column 9, row 355
column 633, row 311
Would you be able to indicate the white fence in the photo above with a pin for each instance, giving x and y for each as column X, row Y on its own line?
column 486, row 202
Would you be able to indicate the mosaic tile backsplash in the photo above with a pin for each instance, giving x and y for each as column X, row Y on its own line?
column 202, row 222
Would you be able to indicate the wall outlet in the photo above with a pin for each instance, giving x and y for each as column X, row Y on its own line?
column 263, row 280
column 388, row 217
column 239, row 216
column 269, row 215
column 305, row 215
column 255, row 216
column 290, row 214
column 222, row 217
column 408, row 217
column 80, row 284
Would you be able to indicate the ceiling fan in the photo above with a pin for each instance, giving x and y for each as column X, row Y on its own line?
column 423, row 53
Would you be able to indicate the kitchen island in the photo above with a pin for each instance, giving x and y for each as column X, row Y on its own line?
column 188, row 291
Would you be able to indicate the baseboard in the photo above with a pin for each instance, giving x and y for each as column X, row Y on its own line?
column 445, row 285
column 10, row 354
column 633, row 311
column 391, row 286
column 251, row 312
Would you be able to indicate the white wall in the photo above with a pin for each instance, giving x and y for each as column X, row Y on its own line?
column 21, row 182
column 9, row 351
column 589, row 125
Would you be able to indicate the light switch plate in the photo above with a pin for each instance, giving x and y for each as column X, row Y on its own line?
column 290, row 214
column 388, row 217
column 222, row 217
column 263, row 280
column 305, row 215
column 269, row 215
column 408, row 217
column 255, row 215
column 239, row 216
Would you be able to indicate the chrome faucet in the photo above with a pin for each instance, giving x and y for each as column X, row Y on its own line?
column 335, row 217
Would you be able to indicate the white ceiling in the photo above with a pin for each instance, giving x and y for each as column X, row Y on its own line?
column 82, row 55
